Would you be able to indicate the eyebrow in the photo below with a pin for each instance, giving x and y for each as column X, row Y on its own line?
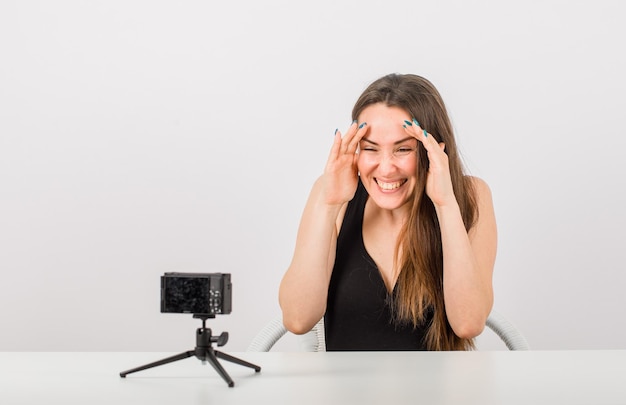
column 395, row 143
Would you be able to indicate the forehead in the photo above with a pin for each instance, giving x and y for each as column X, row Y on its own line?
column 385, row 123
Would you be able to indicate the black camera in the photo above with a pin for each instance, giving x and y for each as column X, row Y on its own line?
column 196, row 293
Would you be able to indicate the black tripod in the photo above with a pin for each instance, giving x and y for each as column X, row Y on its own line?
column 203, row 351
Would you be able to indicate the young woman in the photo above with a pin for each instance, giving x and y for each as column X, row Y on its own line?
column 396, row 245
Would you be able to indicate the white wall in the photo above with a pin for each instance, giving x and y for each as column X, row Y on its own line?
column 139, row 137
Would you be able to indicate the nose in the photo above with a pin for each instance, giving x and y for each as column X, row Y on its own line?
column 386, row 163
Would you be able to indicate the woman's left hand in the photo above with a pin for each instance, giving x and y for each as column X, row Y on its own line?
column 438, row 182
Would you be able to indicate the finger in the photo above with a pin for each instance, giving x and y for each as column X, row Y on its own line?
column 414, row 129
column 360, row 133
column 336, row 148
column 347, row 138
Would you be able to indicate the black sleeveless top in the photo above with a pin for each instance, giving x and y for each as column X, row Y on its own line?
column 358, row 313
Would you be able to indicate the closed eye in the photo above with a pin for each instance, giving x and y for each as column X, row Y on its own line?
column 369, row 149
column 404, row 151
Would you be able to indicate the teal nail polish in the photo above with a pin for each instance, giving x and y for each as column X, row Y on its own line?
column 416, row 123
column 362, row 125
column 425, row 134
column 336, row 131
column 408, row 123
column 354, row 121
column 404, row 126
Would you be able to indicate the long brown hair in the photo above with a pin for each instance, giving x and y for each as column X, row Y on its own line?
column 420, row 281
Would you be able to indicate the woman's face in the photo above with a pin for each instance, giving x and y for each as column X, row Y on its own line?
column 387, row 158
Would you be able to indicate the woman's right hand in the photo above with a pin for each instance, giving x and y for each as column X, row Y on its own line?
column 340, row 177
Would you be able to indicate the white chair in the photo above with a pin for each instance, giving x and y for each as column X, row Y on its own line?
column 314, row 341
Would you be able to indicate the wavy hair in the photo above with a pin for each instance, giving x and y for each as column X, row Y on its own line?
column 419, row 252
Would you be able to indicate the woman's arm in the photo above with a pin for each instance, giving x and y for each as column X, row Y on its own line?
column 468, row 261
column 304, row 287
column 468, row 257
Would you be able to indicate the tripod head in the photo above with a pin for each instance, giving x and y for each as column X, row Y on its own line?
column 204, row 337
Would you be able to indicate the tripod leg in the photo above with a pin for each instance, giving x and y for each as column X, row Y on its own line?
column 235, row 360
column 159, row 362
column 210, row 356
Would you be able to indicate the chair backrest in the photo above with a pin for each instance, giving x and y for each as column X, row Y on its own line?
column 314, row 341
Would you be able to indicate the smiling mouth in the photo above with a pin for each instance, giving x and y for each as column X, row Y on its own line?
column 390, row 186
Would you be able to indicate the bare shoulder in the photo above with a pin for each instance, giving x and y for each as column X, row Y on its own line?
column 483, row 192
column 486, row 221
column 484, row 200
column 478, row 183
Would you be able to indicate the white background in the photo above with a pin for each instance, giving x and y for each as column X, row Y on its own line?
column 140, row 137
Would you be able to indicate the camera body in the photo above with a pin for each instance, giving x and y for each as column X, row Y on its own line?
column 196, row 293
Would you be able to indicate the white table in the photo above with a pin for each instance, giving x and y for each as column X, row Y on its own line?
column 498, row 377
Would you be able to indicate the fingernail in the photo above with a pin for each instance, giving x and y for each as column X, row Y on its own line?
column 354, row 121
column 425, row 134
column 407, row 123
column 404, row 126
column 416, row 123
column 336, row 131
column 362, row 125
